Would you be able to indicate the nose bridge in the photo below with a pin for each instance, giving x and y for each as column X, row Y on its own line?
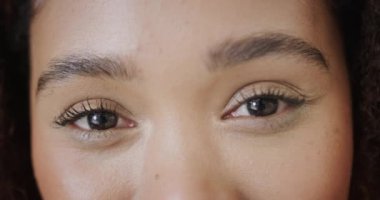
column 180, row 163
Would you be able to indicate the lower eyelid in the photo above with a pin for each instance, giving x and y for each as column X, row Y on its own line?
column 100, row 140
column 93, row 135
column 91, row 138
column 268, row 125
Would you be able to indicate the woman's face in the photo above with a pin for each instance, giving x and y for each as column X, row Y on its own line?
column 180, row 99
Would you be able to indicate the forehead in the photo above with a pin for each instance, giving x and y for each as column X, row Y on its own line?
column 173, row 13
column 135, row 26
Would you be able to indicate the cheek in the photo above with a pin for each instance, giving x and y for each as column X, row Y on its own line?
column 65, row 172
column 311, row 161
column 305, row 168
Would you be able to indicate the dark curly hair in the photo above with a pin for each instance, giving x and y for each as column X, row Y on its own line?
column 360, row 25
column 16, row 179
column 365, row 80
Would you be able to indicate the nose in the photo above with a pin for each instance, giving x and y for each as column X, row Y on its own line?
column 183, row 164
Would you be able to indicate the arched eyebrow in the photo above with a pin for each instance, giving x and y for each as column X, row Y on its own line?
column 85, row 65
column 227, row 54
column 234, row 52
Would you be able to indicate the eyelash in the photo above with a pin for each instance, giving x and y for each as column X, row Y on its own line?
column 72, row 114
column 275, row 93
column 291, row 97
column 242, row 98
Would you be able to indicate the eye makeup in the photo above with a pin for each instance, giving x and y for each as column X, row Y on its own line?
column 265, row 107
column 76, row 111
column 259, row 107
column 95, row 119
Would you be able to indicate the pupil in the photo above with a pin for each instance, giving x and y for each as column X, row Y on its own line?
column 102, row 120
column 262, row 106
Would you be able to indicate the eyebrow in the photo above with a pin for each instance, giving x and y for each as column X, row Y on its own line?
column 88, row 65
column 227, row 54
column 234, row 52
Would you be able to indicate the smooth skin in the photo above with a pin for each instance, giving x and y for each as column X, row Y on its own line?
column 183, row 129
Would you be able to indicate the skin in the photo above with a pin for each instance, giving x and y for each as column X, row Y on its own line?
column 183, row 142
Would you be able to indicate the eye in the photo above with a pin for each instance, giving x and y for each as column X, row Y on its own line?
column 263, row 100
column 95, row 115
column 259, row 107
column 101, row 120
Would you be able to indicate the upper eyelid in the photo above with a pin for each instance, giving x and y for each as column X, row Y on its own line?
column 87, row 100
column 117, row 108
column 270, row 91
column 239, row 96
